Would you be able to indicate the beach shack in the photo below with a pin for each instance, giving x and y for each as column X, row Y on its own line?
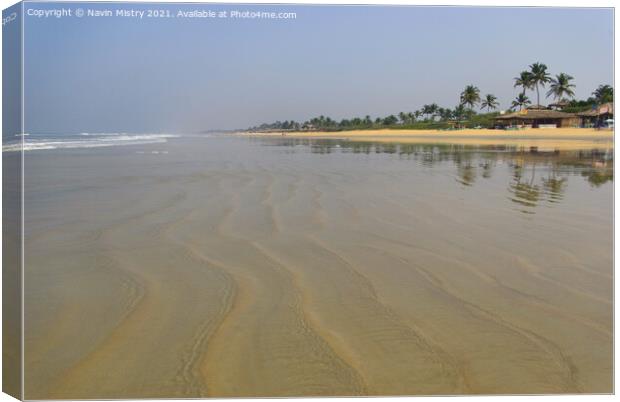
column 537, row 118
column 598, row 116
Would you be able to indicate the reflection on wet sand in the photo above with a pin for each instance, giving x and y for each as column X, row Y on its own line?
column 286, row 267
column 471, row 162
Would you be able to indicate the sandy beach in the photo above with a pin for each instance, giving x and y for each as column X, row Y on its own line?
column 261, row 267
column 544, row 139
column 182, row 219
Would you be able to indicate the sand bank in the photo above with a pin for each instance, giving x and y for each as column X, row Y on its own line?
column 544, row 139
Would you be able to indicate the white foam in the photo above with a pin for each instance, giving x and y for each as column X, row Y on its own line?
column 12, row 147
column 152, row 152
column 97, row 140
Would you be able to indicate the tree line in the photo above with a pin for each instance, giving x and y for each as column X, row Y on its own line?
column 536, row 77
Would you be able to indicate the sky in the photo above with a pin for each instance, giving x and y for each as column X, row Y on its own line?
column 126, row 74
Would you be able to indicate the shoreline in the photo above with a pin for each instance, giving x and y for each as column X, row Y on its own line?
column 543, row 139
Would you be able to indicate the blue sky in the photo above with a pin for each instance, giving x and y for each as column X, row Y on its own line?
column 187, row 75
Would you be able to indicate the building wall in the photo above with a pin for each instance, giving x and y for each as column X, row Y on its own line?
column 570, row 122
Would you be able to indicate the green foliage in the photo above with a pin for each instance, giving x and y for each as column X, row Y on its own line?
column 521, row 101
column 278, row 125
column 603, row 94
column 540, row 76
column 489, row 102
column 470, row 96
column 432, row 116
column 576, row 106
column 485, row 120
column 561, row 86
column 525, row 80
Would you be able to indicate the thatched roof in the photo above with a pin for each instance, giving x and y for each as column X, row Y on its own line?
column 589, row 113
column 605, row 108
column 561, row 103
column 535, row 114
column 537, row 107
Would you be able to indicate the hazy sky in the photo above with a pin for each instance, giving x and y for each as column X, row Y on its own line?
column 177, row 74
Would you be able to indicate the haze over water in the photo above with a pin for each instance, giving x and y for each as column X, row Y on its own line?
column 229, row 266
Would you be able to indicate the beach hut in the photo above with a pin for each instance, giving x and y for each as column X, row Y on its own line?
column 597, row 116
column 537, row 118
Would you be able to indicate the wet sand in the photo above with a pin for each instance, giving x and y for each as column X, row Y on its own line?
column 262, row 267
column 544, row 139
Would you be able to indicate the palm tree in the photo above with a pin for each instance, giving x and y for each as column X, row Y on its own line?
column 390, row 120
column 445, row 114
column 525, row 80
column 433, row 108
column 489, row 102
column 603, row 94
column 426, row 110
column 441, row 112
column 403, row 117
column 521, row 101
column 539, row 77
column 470, row 96
column 411, row 117
column 560, row 86
column 459, row 112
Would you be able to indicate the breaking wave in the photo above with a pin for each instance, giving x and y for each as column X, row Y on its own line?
column 84, row 140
